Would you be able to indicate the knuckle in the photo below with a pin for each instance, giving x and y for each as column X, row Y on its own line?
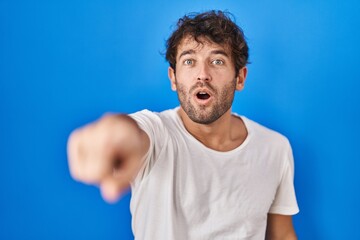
column 107, row 118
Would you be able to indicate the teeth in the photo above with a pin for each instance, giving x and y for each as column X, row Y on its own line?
column 202, row 93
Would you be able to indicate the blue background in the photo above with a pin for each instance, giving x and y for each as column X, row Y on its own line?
column 65, row 63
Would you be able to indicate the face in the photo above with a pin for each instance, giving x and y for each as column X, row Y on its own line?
column 205, row 79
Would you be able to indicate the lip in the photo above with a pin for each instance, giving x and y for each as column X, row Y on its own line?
column 202, row 101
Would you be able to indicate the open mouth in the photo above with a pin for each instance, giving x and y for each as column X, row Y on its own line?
column 202, row 95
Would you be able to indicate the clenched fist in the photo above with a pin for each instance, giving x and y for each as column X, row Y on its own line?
column 107, row 153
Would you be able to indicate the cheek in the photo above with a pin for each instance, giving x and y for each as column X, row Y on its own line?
column 224, row 74
column 185, row 72
column 182, row 81
column 182, row 93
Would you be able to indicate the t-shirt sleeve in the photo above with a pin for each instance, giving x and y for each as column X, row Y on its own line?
column 285, row 199
column 153, row 126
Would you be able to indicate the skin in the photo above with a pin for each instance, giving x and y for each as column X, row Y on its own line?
column 280, row 227
column 109, row 152
column 208, row 67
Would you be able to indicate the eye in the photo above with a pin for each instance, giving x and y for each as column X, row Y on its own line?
column 217, row 62
column 188, row 62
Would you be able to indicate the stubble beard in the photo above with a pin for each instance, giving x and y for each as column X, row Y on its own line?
column 207, row 114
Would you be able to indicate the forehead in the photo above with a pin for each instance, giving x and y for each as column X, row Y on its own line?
column 202, row 43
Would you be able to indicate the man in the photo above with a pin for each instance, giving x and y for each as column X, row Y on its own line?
column 198, row 171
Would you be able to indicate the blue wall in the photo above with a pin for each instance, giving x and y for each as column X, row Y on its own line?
column 64, row 63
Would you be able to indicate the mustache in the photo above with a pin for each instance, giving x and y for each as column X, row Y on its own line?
column 203, row 85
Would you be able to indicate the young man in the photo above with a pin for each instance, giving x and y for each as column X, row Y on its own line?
column 198, row 171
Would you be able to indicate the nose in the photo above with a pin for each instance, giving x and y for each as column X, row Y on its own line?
column 204, row 73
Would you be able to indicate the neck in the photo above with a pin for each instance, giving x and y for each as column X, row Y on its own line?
column 225, row 134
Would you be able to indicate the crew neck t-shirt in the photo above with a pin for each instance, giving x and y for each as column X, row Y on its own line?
column 186, row 190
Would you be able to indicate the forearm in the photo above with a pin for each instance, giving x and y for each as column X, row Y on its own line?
column 290, row 236
column 280, row 227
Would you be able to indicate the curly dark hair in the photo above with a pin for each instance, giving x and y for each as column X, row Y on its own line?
column 216, row 26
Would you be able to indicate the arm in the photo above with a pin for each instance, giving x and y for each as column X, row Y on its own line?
column 280, row 227
column 107, row 153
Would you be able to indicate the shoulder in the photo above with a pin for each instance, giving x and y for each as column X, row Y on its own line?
column 261, row 134
column 151, row 121
column 144, row 114
column 147, row 116
column 274, row 146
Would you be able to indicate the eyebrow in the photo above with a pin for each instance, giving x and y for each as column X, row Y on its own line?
column 188, row 52
column 221, row 52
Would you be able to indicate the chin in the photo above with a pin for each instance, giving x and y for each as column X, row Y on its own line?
column 204, row 120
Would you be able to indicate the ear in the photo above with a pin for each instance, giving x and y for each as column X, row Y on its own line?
column 171, row 75
column 240, row 79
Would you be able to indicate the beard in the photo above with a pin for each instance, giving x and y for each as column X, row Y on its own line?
column 221, row 102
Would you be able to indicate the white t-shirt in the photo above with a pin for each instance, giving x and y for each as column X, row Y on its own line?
column 188, row 191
